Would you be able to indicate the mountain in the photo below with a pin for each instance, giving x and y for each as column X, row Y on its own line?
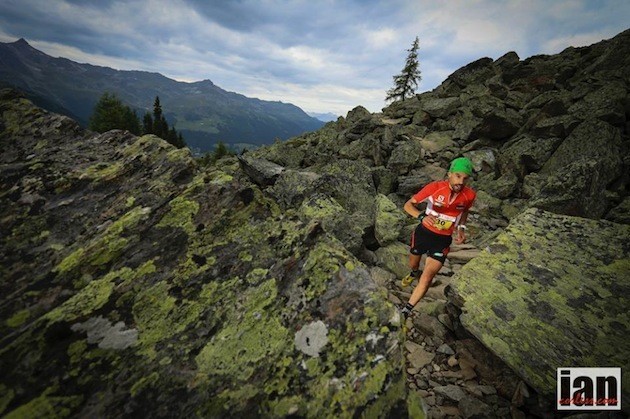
column 203, row 112
column 325, row 117
column 135, row 281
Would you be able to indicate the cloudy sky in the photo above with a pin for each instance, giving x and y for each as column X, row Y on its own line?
column 322, row 55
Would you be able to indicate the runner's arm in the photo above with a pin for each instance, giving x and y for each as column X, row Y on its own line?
column 424, row 193
column 410, row 208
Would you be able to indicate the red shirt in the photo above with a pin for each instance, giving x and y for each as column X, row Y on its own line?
column 445, row 204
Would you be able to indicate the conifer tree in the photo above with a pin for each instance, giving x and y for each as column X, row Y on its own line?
column 158, row 125
column 110, row 113
column 407, row 81
column 147, row 124
column 157, row 118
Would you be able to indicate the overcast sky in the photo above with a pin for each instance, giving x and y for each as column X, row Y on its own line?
column 323, row 56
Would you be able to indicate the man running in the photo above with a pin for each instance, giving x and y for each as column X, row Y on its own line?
column 448, row 202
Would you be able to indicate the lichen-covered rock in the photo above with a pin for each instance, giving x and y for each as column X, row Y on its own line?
column 536, row 305
column 135, row 283
column 389, row 220
column 405, row 157
column 526, row 154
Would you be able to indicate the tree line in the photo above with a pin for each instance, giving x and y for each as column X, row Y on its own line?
column 110, row 113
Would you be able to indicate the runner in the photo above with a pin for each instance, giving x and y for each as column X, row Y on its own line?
column 448, row 202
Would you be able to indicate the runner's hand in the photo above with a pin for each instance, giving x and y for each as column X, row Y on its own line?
column 461, row 236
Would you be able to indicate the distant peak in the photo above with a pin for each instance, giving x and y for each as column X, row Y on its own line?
column 21, row 41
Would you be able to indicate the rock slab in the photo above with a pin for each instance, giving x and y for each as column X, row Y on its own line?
column 525, row 294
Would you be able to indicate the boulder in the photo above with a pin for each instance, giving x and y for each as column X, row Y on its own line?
column 260, row 171
column 436, row 142
column 517, row 300
column 483, row 160
column 405, row 156
column 583, row 195
column 526, row 154
column 395, row 258
column 293, row 186
column 500, row 124
column 418, row 178
column 606, row 103
column 440, row 107
column 348, row 228
column 141, row 285
column 389, row 220
column 620, row 213
column 592, row 140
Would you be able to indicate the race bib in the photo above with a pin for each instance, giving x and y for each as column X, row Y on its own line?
column 442, row 221
column 443, row 224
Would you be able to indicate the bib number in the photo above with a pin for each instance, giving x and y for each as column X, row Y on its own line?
column 442, row 224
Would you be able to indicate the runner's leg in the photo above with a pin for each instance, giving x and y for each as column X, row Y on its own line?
column 431, row 268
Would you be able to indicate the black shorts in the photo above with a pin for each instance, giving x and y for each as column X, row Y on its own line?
column 436, row 246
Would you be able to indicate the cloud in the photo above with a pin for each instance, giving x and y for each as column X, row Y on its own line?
column 328, row 55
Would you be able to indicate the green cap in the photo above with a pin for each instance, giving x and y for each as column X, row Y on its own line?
column 461, row 165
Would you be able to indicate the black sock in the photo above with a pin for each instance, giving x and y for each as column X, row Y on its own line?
column 416, row 273
column 408, row 306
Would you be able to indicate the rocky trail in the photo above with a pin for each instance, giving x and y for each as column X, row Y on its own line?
column 454, row 373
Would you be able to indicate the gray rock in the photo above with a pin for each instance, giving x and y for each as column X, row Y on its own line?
column 262, row 172
column 445, row 349
column 404, row 157
column 483, row 160
column 441, row 107
column 451, row 392
column 620, row 213
column 419, row 357
column 474, row 408
column 292, row 187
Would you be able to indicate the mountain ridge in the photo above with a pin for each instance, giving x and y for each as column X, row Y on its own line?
column 202, row 111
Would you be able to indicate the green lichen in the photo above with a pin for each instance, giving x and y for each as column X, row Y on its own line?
column 287, row 406
column 103, row 172
column 47, row 406
column 218, row 177
column 71, row 261
column 107, row 246
column 243, row 344
column 518, row 300
column 143, row 383
column 181, row 214
column 6, row 395
column 19, row 318
column 240, row 348
column 256, row 276
column 159, row 316
column 92, row 297
column 322, row 208
column 143, row 145
column 322, row 262
column 178, row 154
column 75, row 351
column 151, row 312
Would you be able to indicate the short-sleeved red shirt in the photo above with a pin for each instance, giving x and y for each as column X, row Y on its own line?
column 445, row 204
